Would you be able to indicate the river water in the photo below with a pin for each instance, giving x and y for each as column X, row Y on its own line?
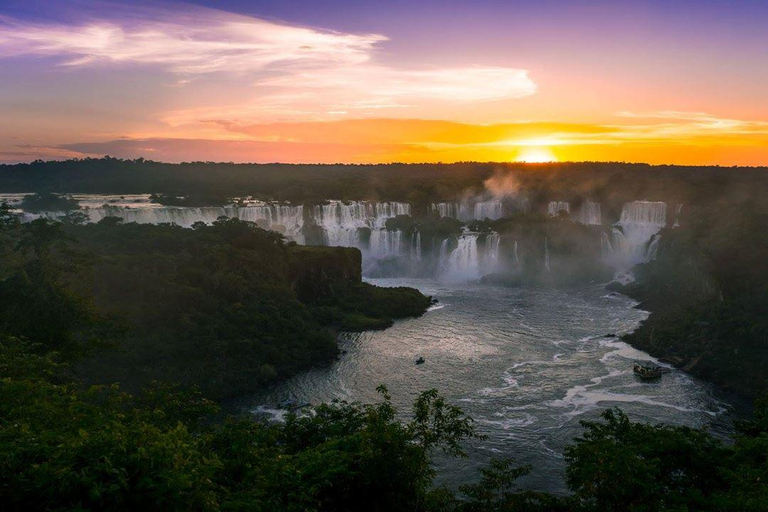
column 526, row 363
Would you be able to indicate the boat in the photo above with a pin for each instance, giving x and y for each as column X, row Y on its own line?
column 647, row 371
column 420, row 360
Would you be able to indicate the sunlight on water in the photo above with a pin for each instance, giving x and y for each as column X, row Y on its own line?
column 526, row 363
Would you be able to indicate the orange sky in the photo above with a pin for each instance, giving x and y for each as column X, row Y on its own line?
column 617, row 83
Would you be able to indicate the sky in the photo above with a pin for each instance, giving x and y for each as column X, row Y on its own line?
column 364, row 81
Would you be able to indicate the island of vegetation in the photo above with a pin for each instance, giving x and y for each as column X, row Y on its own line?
column 228, row 306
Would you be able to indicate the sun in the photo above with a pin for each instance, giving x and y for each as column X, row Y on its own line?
column 536, row 155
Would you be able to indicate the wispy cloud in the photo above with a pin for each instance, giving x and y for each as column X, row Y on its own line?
column 205, row 41
column 294, row 72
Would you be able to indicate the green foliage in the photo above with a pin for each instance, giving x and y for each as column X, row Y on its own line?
column 67, row 447
column 708, row 294
column 620, row 465
column 228, row 307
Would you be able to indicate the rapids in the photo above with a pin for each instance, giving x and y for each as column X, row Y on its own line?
column 526, row 363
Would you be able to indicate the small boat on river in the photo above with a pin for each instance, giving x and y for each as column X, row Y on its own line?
column 647, row 371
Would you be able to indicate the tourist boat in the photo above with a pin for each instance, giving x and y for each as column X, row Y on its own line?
column 647, row 371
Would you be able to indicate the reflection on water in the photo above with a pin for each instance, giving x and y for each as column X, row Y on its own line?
column 526, row 363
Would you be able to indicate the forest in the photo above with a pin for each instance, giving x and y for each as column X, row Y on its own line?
column 707, row 291
column 111, row 389
column 228, row 306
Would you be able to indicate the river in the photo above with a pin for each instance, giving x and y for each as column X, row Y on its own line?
column 526, row 363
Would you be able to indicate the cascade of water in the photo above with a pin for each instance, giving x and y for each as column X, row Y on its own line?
column 488, row 210
column 590, row 214
column 416, row 246
column 385, row 243
column 653, row 248
column 341, row 223
column 481, row 210
column 463, row 262
column 678, row 211
column 605, row 245
column 515, row 254
column 453, row 210
column 491, row 252
column 289, row 220
column 546, row 254
column 639, row 222
column 555, row 207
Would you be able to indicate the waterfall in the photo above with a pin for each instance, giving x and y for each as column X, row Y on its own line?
column 452, row 210
column 416, row 246
column 491, row 252
column 590, row 214
column 463, row 262
column 555, row 207
column 653, row 248
column 488, row 210
column 606, row 248
column 384, row 243
column 546, row 254
column 285, row 219
column 341, row 224
column 482, row 210
column 678, row 211
column 639, row 223
column 515, row 254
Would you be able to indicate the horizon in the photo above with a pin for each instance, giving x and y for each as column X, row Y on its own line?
column 383, row 164
column 427, row 82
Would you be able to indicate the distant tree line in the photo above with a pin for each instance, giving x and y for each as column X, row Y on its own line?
column 420, row 184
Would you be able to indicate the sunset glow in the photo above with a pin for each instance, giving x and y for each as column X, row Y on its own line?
column 257, row 81
column 536, row 155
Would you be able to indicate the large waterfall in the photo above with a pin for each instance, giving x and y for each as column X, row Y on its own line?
column 469, row 260
column 640, row 221
column 463, row 262
column 341, row 223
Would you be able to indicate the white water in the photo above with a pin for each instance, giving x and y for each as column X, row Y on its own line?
column 341, row 223
column 482, row 210
column 463, row 262
column 491, row 253
column 384, row 243
column 488, row 210
column 678, row 211
column 451, row 210
column 640, row 221
column 527, row 363
column 555, row 207
column 515, row 253
column 416, row 246
column 288, row 220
